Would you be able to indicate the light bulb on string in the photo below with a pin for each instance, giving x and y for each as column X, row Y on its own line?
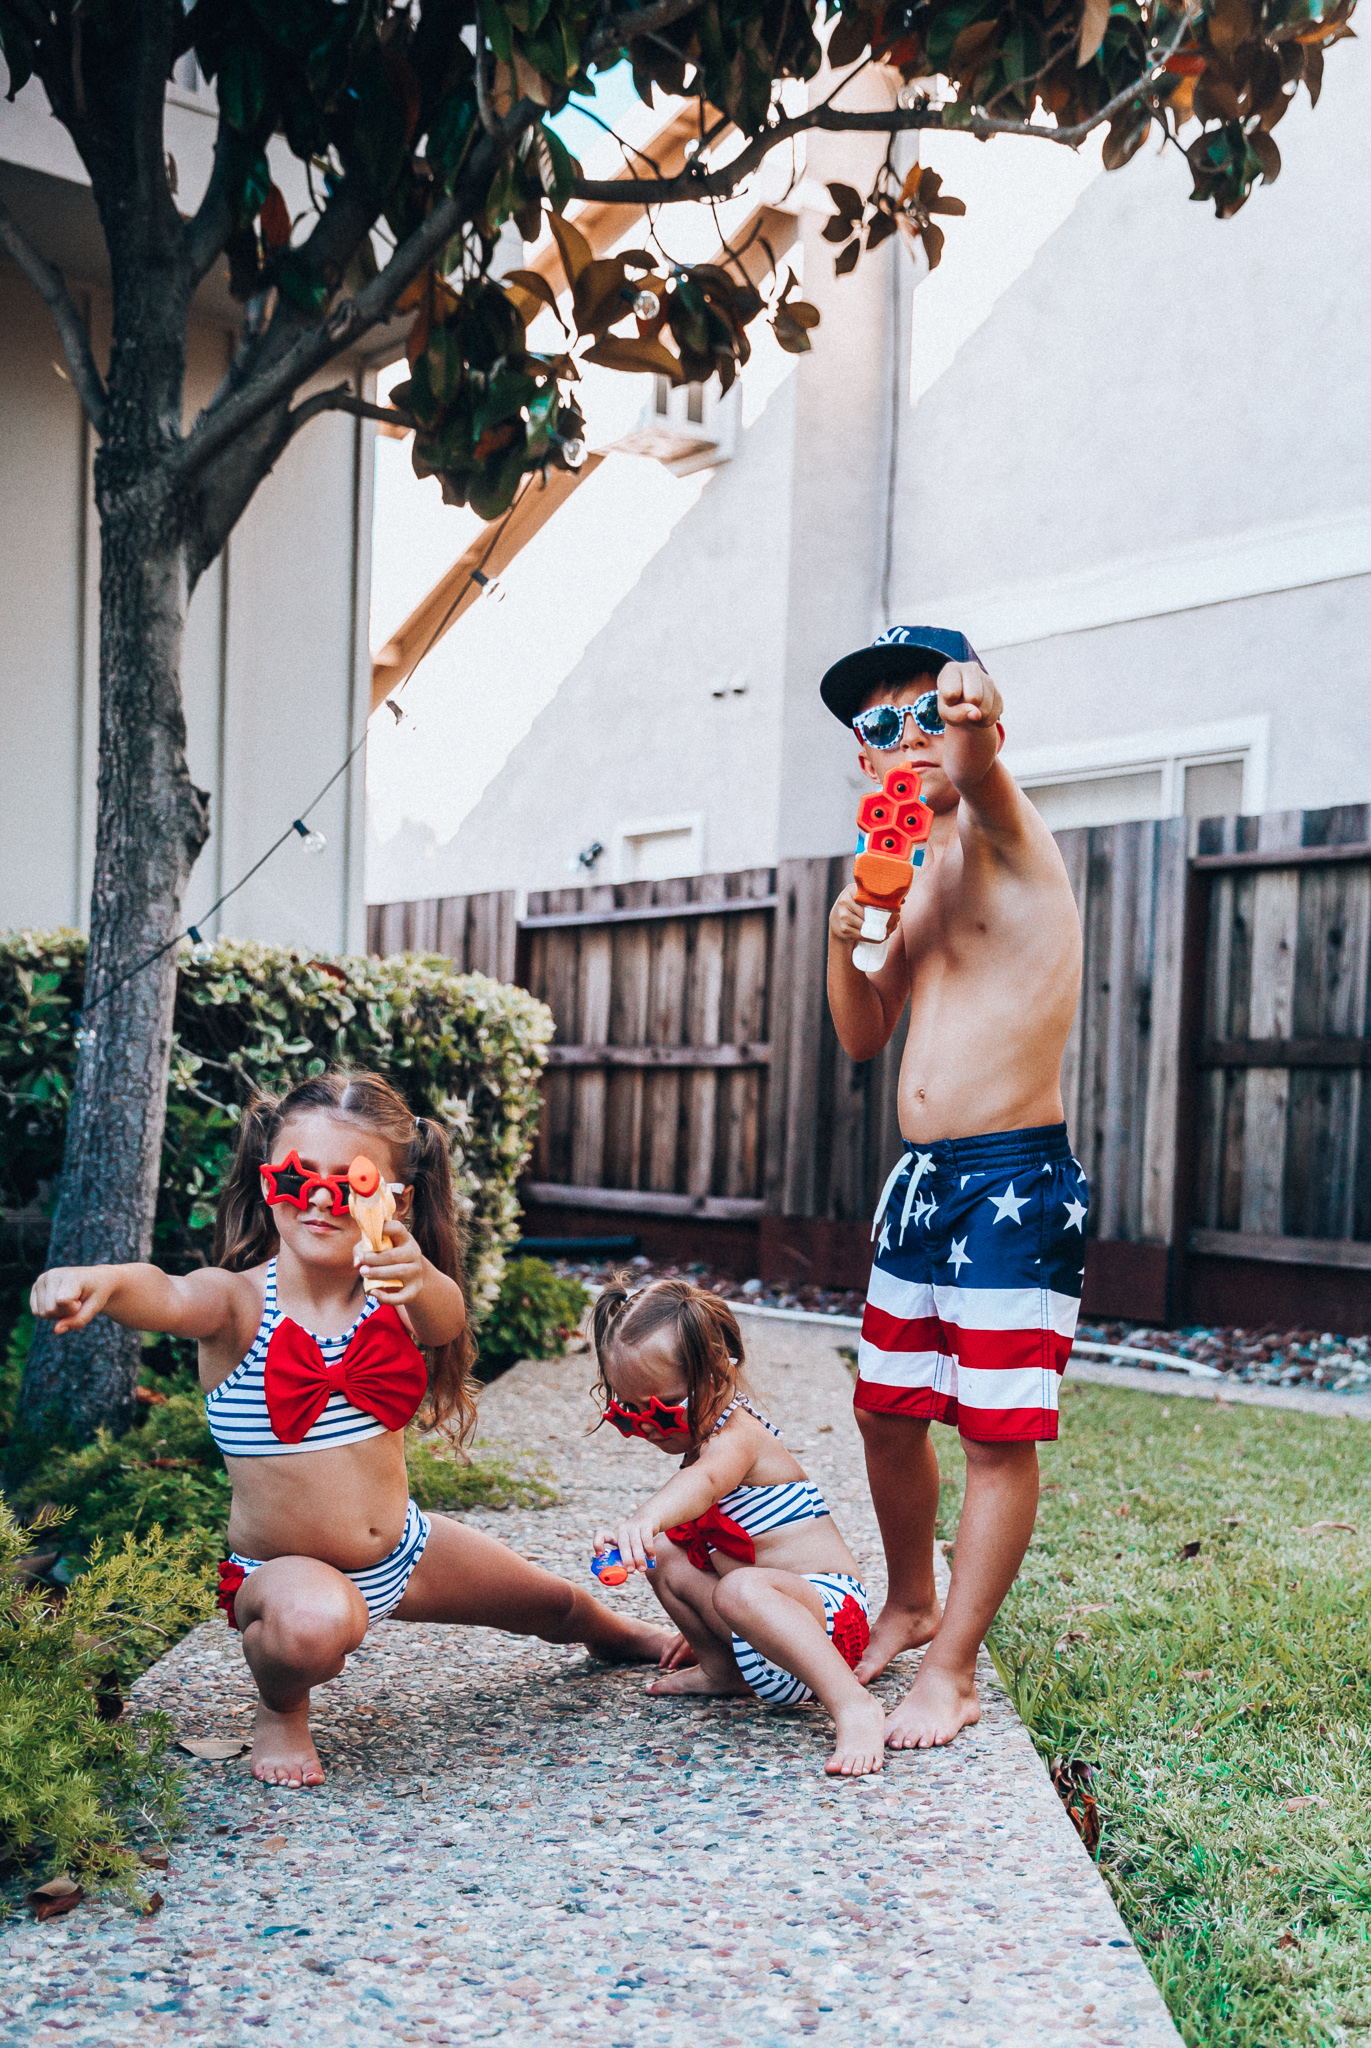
column 490, row 586
column 314, row 841
column 83, row 1034
column 200, row 947
column 573, row 451
column 646, row 304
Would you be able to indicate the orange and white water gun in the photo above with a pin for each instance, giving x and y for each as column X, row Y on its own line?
column 893, row 825
column 371, row 1204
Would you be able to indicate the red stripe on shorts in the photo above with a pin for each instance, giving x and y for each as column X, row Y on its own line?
column 995, row 1350
column 898, row 1333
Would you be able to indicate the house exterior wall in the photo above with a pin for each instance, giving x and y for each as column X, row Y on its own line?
column 276, row 672
column 1161, row 440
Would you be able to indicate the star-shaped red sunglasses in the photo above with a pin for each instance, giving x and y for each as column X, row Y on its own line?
column 294, row 1183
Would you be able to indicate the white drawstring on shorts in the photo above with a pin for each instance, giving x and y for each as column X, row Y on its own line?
column 922, row 1164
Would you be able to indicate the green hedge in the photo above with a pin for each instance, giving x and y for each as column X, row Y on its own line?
column 458, row 1047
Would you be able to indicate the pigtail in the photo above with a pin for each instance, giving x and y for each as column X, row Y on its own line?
column 606, row 1310
column 244, row 1233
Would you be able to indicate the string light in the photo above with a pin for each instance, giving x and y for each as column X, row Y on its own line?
column 200, row 948
column 646, row 304
column 315, row 841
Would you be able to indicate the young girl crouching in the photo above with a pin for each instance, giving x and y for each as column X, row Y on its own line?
column 310, row 1380
column 742, row 1552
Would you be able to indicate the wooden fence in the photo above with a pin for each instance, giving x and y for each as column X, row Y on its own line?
column 1213, row 1080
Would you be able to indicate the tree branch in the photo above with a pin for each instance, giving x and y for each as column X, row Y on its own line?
column 694, row 182
column 51, row 287
column 340, row 398
column 210, row 227
column 623, row 29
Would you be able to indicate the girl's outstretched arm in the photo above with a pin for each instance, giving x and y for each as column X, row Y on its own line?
column 140, row 1297
column 723, row 1464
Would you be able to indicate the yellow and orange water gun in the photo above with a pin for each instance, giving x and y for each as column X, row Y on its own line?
column 371, row 1204
column 893, row 825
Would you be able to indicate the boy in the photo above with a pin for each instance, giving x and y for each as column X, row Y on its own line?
column 974, row 1293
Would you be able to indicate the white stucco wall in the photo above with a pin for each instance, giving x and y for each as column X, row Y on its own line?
column 276, row 671
column 1131, row 483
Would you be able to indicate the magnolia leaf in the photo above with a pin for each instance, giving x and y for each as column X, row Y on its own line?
column 1230, row 24
column 847, row 259
column 1127, row 133
column 1264, row 147
column 1094, row 22
column 880, row 230
column 932, row 238
column 275, row 219
column 850, row 40
column 802, row 312
column 847, row 201
column 212, row 1748
column 635, row 353
column 598, row 299
column 973, row 49
column 837, row 228
column 572, row 247
column 790, row 334
column 532, row 285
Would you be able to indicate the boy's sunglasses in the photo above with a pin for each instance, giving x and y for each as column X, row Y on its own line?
column 660, row 1415
column 882, row 726
column 291, row 1182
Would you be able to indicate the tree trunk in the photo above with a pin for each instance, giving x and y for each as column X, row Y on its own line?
column 151, row 825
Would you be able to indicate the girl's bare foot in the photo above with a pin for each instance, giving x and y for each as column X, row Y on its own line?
column 937, row 1707
column 896, row 1628
column 696, row 1679
column 283, row 1751
column 860, row 1743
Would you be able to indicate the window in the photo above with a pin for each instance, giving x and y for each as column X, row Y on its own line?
column 659, row 849
column 1207, row 771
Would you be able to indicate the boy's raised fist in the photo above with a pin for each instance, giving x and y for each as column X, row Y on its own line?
column 967, row 696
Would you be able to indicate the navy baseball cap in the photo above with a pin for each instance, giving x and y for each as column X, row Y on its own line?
column 893, row 657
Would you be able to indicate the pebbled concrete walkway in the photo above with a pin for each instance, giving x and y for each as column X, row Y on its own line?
column 515, row 1844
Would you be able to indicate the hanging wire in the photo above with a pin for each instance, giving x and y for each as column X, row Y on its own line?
column 297, row 824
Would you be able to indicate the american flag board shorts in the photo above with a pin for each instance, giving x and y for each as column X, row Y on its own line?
column 972, row 1303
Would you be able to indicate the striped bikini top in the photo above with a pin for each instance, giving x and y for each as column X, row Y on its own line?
column 749, row 1511
column 298, row 1392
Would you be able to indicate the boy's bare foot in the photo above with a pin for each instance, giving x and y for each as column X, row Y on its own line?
column 622, row 1640
column 860, row 1743
column 937, row 1707
column 283, row 1751
column 897, row 1628
column 697, row 1680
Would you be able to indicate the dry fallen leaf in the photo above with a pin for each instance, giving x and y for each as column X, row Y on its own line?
column 154, row 1904
column 1321, row 1528
column 1305, row 1799
column 155, row 1859
column 1288, row 1940
column 212, row 1748
column 274, row 1842
column 1199, row 1675
column 48, row 1901
column 1190, row 1549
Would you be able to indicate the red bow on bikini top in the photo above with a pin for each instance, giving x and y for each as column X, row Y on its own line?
column 382, row 1371
column 713, row 1530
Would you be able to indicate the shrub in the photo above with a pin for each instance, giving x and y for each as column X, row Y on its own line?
column 165, row 1472
column 535, row 1312
column 459, row 1047
column 73, row 1780
column 440, row 1478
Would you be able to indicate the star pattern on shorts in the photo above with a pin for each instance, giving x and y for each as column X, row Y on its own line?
column 884, row 1245
column 1075, row 1216
column 1009, row 1204
column 959, row 1256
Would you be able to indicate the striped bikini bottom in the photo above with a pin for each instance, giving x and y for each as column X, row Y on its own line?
column 847, row 1613
column 381, row 1585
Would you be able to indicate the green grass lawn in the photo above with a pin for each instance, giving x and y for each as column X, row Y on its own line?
column 1188, row 1623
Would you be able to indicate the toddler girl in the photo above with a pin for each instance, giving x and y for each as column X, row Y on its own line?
column 310, row 1382
column 743, row 1553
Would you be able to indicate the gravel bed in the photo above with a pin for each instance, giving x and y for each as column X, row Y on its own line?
column 515, row 1844
column 1264, row 1357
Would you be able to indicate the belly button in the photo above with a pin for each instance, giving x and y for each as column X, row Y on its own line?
column 921, row 1095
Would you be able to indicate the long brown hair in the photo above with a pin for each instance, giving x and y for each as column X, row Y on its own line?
column 245, row 1233
column 704, row 1334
